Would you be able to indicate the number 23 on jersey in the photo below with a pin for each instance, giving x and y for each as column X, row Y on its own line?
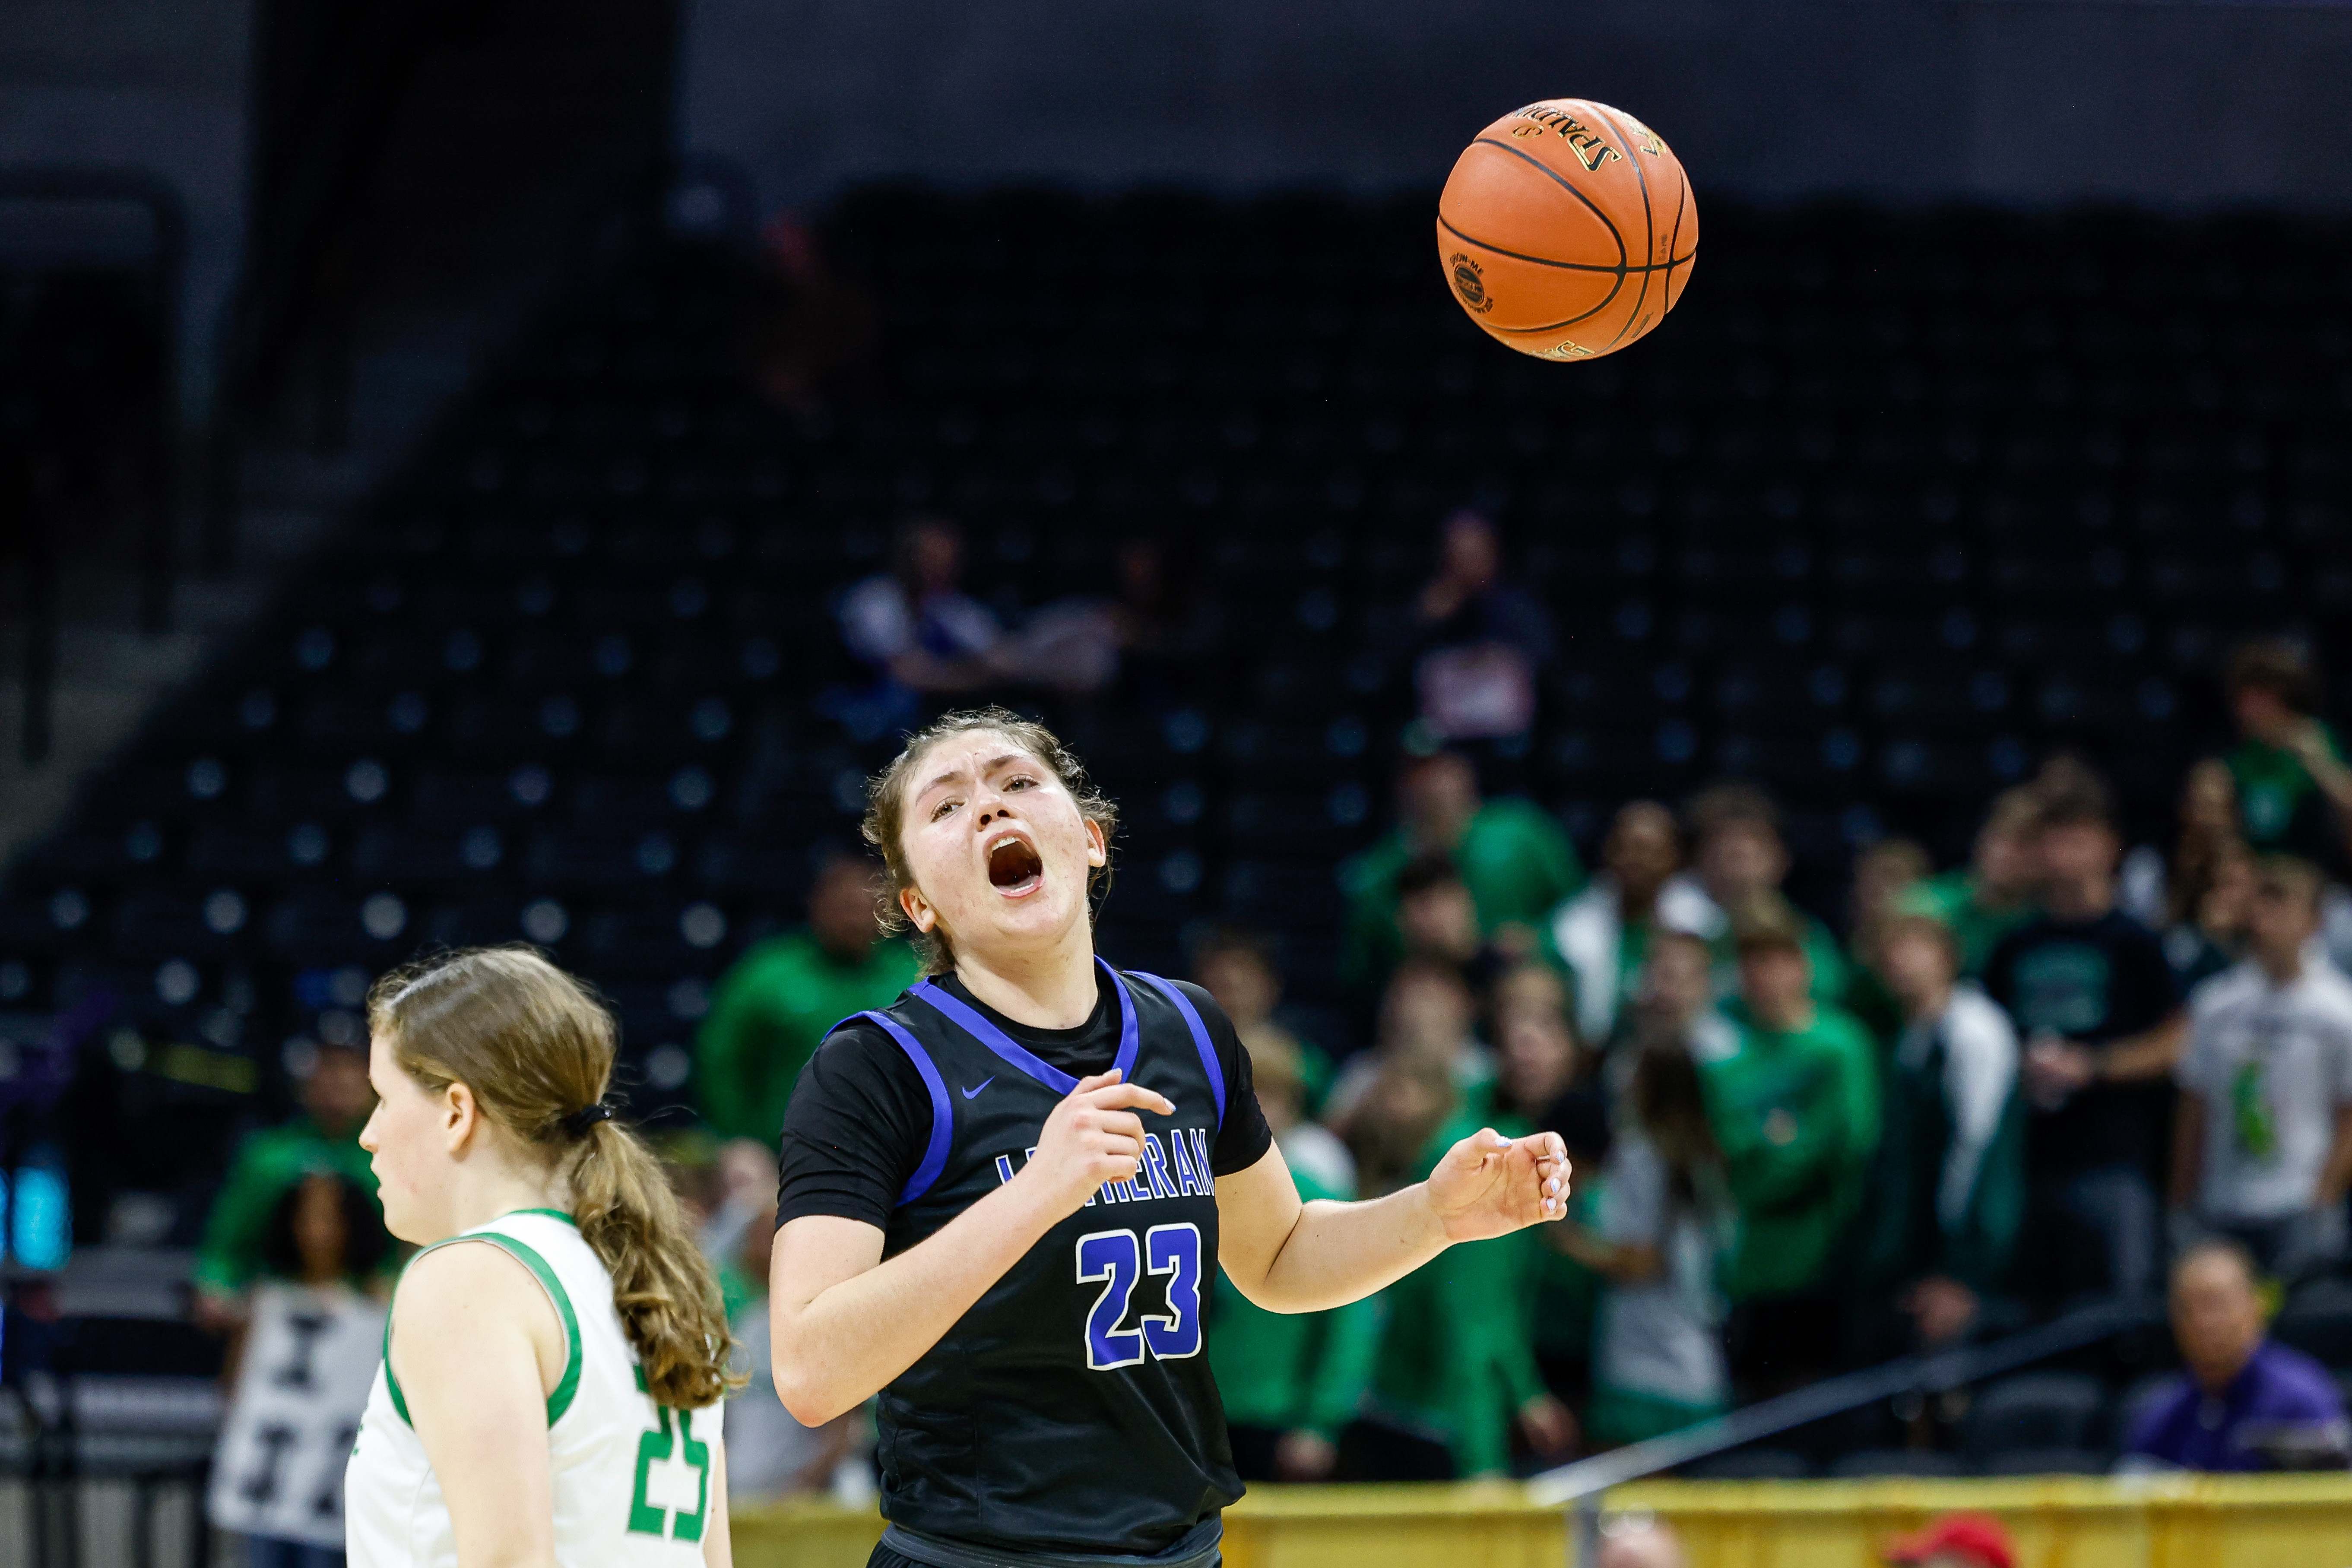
column 1120, row 1258
column 662, row 1447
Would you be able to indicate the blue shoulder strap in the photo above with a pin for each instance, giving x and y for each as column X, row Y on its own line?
column 1200, row 1041
column 1017, row 1054
column 935, row 1152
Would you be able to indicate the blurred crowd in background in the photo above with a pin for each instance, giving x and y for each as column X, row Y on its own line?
column 1804, row 1139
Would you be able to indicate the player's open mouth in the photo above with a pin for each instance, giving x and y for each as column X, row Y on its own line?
column 1013, row 867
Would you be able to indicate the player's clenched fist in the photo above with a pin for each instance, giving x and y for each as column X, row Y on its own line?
column 1488, row 1184
column 1094, row 1136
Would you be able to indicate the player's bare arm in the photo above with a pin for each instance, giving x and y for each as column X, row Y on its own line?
column 476, row 1348
column 1292, row 1256
column 844, row 1322
column 560, row 1334
column 718, row 1548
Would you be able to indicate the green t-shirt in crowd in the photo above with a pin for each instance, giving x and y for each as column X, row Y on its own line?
column 1290, row 1371
column 267, row 1164
column 2280, row 805
column 738, row 1289
column 767, row 1016
column 1907, row 1233
column 1567, row 1293
column 1822, row 950
column 1456, row 1353
column 1797, row 1115
column 1952, row 897
column 1514, row 858
column 1873, row 1006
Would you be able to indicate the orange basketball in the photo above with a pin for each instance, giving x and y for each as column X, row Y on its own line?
column 1567, row 229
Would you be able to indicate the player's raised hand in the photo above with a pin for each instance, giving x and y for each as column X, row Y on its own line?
column 1094, row 1136
column 1488, row 1184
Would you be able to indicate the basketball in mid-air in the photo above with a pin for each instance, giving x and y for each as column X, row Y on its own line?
column 1567, row 229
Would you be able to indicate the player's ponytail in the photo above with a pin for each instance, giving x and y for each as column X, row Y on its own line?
column 536, row 1048
column 662, row 1283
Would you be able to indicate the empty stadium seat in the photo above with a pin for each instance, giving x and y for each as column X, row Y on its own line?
column 561, row 680
column 1752, row 1465
column 2042, row 1411
column 1871, row 1463
column 2317, row 1321
column 2045, row 1462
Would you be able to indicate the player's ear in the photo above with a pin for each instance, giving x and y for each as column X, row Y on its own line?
column 917, row 908
column 1098, row 846
column 459, row 1114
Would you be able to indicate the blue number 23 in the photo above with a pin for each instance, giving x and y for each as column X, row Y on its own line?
column 1119, row 1259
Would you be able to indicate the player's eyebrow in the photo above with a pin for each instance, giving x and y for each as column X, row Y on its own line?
column 957, row 775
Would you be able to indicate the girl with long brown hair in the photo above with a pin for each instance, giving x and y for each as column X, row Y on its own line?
column 550, row 1392
column 1003, row 1196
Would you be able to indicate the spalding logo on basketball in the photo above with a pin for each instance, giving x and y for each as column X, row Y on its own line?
column 1567, row 229
column 1470, row 284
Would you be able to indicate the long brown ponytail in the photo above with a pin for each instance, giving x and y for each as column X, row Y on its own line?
column 536, row 1047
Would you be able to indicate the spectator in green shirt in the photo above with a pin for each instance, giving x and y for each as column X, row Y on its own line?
column 1515, row 859
column 1795, row 1106
column 322, row 1139
column 1546, row 1082
column 775, row 1004
column 1426, row 1021
column 1236, row 967
column 1456, row 1369
column 1883, row 874
column 2295, row 792
column 1947, row 1197
column 2211, row 882
column 1603, row 934
column 1741, row 856
column 1291, row 1382
column 1992, row 895
column 1656, row 1233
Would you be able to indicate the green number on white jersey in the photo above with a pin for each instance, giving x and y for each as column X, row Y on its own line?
column 659, row 1447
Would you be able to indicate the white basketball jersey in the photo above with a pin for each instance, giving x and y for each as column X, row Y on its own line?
column 632, row 1478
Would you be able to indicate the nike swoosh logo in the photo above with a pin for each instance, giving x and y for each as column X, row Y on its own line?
column 983, row 1083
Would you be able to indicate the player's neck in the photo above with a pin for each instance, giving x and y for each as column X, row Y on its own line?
column 1047, row 988
column 479, row 1196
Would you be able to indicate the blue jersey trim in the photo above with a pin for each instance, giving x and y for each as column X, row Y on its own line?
column 1015, row 1054
column 935, row 1152
column 1200, row 1041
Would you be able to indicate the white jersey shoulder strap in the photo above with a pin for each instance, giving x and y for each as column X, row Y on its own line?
column 559, row 1400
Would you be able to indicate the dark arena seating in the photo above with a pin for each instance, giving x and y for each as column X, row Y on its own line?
column 1892, row 507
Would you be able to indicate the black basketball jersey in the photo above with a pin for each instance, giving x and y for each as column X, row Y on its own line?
column 1071, row 1409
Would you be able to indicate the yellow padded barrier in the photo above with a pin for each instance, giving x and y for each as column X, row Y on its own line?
column 803, row 1535
column 2255, row 1522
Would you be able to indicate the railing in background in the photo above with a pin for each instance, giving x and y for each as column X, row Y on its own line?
column 1580, row 1485
column 54, row 221
column 109, row 1414
column 2131, row 1522
column 96, row 1471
